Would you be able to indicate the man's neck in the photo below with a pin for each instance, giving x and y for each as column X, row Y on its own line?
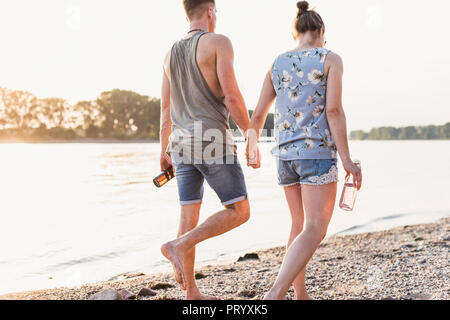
column 199, row 25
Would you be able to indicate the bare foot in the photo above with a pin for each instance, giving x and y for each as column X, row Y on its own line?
column 170, row 253
column 303, row 297
column 272, row 296
column 200, row 296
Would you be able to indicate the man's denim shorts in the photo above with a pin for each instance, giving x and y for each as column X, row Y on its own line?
column 315, row 172
column 227, row 180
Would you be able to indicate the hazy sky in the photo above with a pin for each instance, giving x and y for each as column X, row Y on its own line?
column 395, row 52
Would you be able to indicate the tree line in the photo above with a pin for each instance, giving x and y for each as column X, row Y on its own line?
column 405, row 133
column 127, row 115
column 116, row 114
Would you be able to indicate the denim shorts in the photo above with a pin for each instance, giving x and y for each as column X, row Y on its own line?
column 315, row 172
column 227, row 180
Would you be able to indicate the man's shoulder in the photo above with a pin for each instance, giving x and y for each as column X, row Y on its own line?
column 217, row 40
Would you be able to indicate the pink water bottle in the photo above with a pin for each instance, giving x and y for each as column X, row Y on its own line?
column 349, row 193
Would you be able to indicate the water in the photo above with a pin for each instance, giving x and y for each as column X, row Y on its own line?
column 78, row 213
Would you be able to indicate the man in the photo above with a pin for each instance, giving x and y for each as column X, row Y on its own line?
column 196, row 137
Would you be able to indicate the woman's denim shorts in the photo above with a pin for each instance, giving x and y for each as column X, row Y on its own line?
column 315, row 172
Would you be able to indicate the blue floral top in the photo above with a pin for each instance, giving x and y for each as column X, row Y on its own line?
column 301, row 125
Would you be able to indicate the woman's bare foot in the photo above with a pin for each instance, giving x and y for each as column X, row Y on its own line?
column 303, row 297
column 168, row 250
column 271, row 295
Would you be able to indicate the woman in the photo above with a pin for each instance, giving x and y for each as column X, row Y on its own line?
column 310, row 128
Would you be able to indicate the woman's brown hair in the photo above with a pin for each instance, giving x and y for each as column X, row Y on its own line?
column 307, row 20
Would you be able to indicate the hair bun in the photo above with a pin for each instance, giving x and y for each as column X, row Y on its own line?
column 302, row 6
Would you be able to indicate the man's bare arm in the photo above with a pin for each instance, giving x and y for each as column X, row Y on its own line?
column 166, row 121
column 227, row 79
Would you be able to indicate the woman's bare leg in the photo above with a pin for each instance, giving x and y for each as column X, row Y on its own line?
column 294, row 199
column 318, row 203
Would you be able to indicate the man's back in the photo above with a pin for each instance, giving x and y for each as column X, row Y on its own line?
column 199, row 115
column 207, row 60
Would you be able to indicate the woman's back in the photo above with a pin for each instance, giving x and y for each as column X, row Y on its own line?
column 301, row 126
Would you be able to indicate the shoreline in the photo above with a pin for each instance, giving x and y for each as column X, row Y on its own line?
column 75, row 141
column 406, row 263
column 137, row 141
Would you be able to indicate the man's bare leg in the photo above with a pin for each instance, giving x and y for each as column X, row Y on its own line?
column 318, row 202
column 189, row 219
column 232, row 217
column 294, row 199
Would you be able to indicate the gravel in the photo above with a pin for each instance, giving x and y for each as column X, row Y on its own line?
column 405, row 263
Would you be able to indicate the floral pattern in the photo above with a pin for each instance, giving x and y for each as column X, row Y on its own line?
column 317, row 112
column 286, row 79
column 299, row 116
column 326, row 178
column 301, row 125
column 316, row 76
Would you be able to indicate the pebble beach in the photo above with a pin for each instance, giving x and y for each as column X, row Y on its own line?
column 405, row 263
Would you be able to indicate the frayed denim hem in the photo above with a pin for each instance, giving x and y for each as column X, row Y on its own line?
column 289, row 185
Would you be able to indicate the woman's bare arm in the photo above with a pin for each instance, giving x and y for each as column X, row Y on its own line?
column 266, row 100
column 259, row 117
column 336, row 115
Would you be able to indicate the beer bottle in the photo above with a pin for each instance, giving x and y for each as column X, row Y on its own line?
column 164, row 177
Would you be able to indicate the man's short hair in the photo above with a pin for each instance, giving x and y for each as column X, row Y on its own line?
column 194, row 8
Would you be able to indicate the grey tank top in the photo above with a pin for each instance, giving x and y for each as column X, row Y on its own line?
column 200, row 119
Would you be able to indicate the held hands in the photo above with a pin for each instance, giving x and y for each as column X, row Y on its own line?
column 252, row 154
column 352, row 169
column 165, row 161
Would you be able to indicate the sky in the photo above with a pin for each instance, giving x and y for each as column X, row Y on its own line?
column 395, row 53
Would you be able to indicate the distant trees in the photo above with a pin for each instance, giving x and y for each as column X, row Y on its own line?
column 122, row 114
column 114, row 114
column 405, row 133
column 18, row 108
column 117, row 114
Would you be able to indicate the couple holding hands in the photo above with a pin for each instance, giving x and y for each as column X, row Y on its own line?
column 200, row 92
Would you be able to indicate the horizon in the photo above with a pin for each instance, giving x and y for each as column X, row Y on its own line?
column 59, row 49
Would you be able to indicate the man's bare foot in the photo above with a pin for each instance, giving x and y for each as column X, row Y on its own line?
column 199, row 296
column 168, row 250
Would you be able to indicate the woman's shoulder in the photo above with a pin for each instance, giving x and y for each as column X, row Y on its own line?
column 283, row 57
column 287, row 55
column 320, row 51
column 280, row 56
column 333, row 58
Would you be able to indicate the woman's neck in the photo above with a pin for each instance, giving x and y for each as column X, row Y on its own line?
column 307, row 43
